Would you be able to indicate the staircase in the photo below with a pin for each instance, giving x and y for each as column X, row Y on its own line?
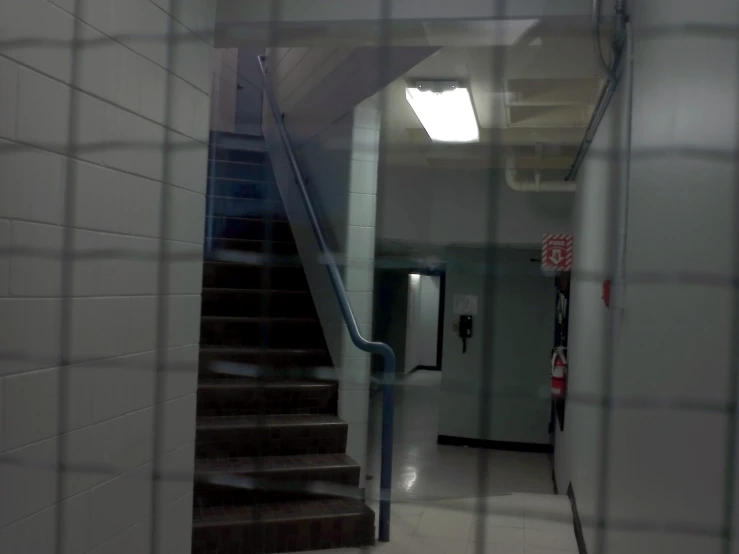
column 271, row 472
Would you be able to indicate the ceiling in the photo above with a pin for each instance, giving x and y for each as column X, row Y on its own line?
column 533, row 97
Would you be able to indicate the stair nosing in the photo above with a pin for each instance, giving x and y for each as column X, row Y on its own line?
column 235, row 383
column 312, row 462
column 263, row 421
column 258, row 350
column 252, row 240
column 219, row 520
column 250, row 263
column 282, row 220
column 255, row 291
column 255, row 319
column 263, row 200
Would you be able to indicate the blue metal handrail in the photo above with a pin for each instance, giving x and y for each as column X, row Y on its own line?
column 359, row 341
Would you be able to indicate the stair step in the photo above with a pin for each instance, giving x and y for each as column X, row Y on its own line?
column 272, row 358
column 283, row 527
column 251, row 396
column 258, row 259
column 232, row 275
column 335, row 467
column 287, row 248
column 268, row 332
column 245, row 228
column 226, row 206
column 220, row 154
column 252, row 303
column 253, row 190
column 242, row 171
column 249, row 481
column 269, row 435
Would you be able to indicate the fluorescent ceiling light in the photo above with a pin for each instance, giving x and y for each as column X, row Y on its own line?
column 445, row 111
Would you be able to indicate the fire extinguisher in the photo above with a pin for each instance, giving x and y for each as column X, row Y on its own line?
column 559, row 372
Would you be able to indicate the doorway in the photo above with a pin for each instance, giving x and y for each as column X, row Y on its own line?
column 425, row 316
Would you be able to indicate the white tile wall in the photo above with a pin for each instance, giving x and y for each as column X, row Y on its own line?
column 133, row 539
column 105, row 396
column 33, row 187
column 354, row 372
column 174, row 518
column 4, row 258
column 356, row 444
column 38, row 533
column 8, row 98
column 353, row 405
column 30, row 409
column 120, row 503
column 363, row 178
column 122, row 385
column 362, row 209
column 359, row 273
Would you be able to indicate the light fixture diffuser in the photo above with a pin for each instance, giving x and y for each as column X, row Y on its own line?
column 445, row 111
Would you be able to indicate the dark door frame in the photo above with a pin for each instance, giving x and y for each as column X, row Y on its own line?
column 439, row 272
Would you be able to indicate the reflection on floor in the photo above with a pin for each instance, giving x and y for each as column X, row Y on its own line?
column 454, row 500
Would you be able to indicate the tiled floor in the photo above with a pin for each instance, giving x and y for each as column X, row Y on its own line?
column 424, row 471
column 453, row 500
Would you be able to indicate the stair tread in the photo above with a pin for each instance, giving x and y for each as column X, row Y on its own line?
column 273, row 464
column 254, row 382
column 281, row 220
column 253, row 240
column 254, row 291
column 260, row 318
column 279, row 512
column 268, row 420
column 215, row 349
column 253, row 259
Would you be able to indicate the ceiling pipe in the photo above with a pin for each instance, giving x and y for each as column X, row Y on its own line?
column 614, row 77
column 537, row 185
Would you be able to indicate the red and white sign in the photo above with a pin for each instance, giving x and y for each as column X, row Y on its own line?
column 556, row 252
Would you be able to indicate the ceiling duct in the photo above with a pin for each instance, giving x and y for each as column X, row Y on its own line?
column 542, row 177
column 536, row 184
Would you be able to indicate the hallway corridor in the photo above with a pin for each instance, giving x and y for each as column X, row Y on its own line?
column 438, row 503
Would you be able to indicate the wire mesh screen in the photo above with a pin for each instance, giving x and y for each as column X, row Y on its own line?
column 176, row 371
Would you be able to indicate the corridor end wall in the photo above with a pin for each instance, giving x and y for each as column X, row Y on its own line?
column 508, row 352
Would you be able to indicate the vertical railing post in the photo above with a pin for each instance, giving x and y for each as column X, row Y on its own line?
column 386, row 453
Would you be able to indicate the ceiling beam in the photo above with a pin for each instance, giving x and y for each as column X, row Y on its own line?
column 254, row 20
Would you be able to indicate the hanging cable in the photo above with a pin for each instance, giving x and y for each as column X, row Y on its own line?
column 612, row 70
column 613, row 73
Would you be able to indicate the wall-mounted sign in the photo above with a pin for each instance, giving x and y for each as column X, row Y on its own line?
column 556, row 252
column 465, row 304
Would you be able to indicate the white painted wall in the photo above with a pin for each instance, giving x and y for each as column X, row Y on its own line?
column 666, row 467
column 250, row 93
column 428, row 206
column 428, row 320
column 225, row 81
column 412, row 330
column 106, row 201
column 578, row 449
column 499, row 389
column 422, row 321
